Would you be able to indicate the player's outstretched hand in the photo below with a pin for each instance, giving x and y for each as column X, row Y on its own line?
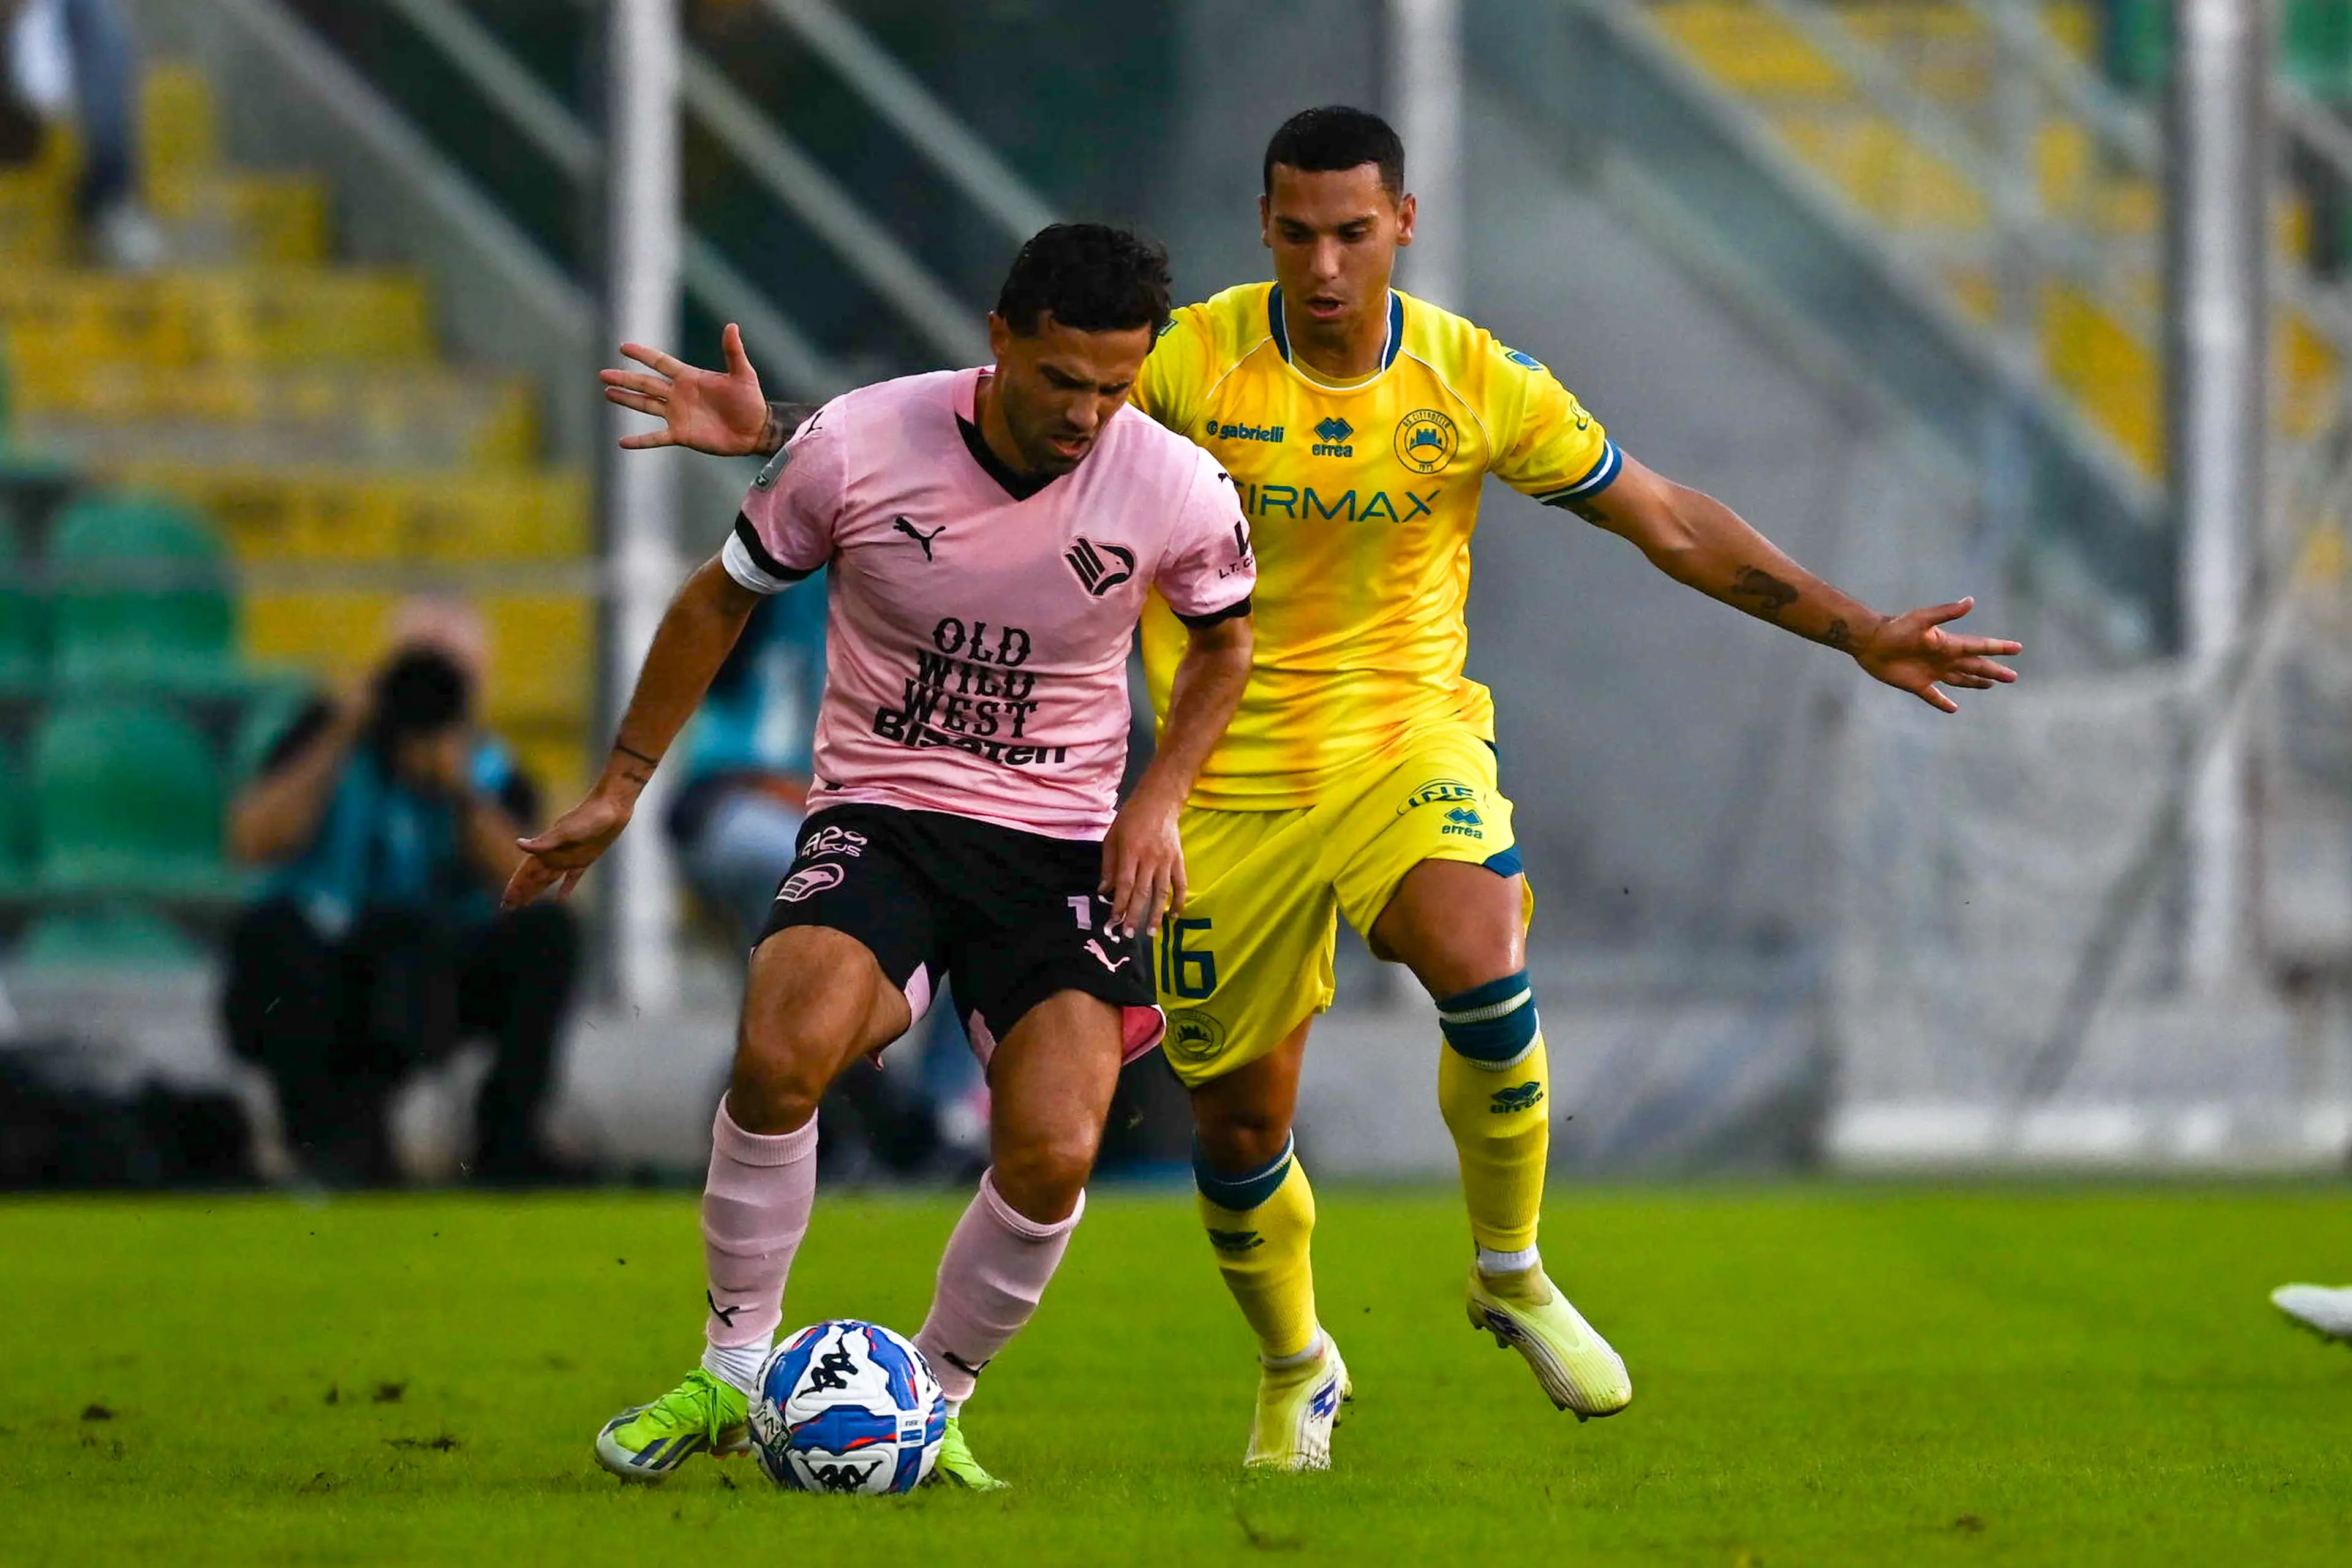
column 1912, row 652
column 1143, row 864
column 559, row 857
column 703, row 410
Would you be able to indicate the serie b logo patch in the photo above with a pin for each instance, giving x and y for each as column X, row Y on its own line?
column 1427, row 440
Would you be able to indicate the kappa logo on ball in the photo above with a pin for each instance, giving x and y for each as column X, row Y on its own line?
column 809, row 883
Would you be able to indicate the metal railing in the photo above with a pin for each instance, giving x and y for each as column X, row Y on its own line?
column 786, row 171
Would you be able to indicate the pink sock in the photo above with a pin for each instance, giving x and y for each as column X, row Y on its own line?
column 991, row 1278
column 755, row 1209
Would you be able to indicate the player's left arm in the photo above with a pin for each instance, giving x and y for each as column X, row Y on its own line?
column 1699, row 542
column 1143, row 862
column 1206, row 577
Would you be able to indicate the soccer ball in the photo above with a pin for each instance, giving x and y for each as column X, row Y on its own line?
column 848, row 1406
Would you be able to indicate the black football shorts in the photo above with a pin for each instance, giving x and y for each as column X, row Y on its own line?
column 1012, row 918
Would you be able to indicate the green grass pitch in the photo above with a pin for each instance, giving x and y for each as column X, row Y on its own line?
column 1821, row 1375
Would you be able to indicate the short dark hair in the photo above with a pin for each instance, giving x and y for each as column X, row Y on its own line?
column 1319, row 141
column 423, row 691
column 1091, row 276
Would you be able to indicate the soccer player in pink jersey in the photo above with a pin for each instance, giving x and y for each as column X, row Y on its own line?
column 989, row 536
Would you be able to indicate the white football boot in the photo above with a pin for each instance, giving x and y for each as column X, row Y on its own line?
column 2325, row 1312
column 1296, row 1408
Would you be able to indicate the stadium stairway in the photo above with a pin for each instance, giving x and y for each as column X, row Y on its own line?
column 1882, row 98
column 302, row 405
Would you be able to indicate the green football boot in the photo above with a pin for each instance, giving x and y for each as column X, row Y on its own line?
column 647, row 1442
column 956, row 1467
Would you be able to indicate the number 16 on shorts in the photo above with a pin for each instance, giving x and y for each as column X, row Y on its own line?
column 1188, row 968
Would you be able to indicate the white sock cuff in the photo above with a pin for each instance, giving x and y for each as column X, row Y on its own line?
column 1519, row 1262
column 738, row 1365
column 760, row 1148
column 1020, row 1225
column 1296, row 1358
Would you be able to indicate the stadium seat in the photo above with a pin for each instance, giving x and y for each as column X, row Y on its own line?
column 21, row 661
column 16, row 822
column 114, row 936
column 126, row 797
column 142, row 597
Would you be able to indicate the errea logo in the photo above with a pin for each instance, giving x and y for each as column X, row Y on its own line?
column 1331, row 438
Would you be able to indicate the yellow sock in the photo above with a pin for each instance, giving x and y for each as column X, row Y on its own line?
column 1497, row 1108
column 1260, row 1226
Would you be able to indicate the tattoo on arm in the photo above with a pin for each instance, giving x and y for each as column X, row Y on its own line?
column 636, row 756
column 1836, row 635
column 1771, row 595
column 783, row 418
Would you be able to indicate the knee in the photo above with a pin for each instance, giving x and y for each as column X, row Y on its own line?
column 774, row 1090
column 1042, row 1180
column 1235, row 1140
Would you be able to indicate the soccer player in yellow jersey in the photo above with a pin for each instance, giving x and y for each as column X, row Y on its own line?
column 1358, row 779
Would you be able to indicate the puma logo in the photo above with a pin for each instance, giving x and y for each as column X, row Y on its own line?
column 1104, row 959
column 907, row 528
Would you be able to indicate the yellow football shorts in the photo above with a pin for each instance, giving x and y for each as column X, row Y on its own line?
column 1249, row 956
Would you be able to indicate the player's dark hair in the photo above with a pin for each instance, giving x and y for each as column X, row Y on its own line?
column 422, row 691
column 1320, row 141
column 1091, row 276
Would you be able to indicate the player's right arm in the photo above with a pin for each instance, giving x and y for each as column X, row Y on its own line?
column 783, row 533
column 700, row 627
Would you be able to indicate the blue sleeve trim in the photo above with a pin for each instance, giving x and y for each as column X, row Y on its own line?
column 1597, row 477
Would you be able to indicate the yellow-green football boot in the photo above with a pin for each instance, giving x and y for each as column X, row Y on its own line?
column 1526, row 1313
column 704, row 1414
column 955, row 1467
column 1297, row 1406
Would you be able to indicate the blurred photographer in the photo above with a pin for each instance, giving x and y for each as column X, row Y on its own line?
column 377, row 945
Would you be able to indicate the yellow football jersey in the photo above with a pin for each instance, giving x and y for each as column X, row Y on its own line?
column 1361, row 501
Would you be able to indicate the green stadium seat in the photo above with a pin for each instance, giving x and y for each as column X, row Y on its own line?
column 15, row 822
column 22, row 662
column 114, row 936
column 126, row 798
column 2316, row 48
column 142, row 597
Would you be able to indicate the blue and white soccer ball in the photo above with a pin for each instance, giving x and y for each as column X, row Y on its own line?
column 846, row 1406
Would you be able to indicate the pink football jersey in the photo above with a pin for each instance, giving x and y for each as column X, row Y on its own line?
column 979, row 622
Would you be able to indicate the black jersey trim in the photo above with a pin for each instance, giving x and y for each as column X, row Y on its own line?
column 749, row 537
column 1240, row 606
column 1019, row 485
